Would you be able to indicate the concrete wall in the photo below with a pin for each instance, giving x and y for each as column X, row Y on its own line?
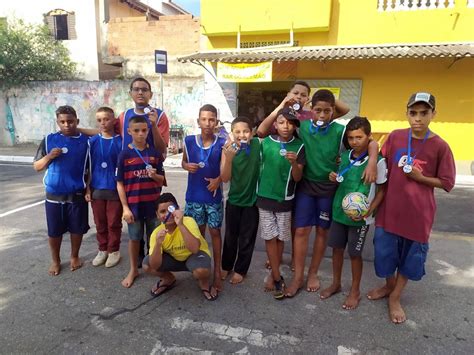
column 83, row 49
column 33, row 108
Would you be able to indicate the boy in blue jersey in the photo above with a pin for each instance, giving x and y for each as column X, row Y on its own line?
column 64, row 156
column 202, row 159
column 139, row 179
column 102, row 188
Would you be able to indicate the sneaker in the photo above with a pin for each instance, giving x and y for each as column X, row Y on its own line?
column 113, row 259
column 100, row 258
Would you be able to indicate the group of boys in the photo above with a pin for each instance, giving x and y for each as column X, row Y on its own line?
column 293, row 176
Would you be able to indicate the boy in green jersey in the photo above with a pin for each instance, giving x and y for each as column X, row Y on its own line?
column 240, row 164
column 323, row 140
column 282, row 166
column 352, row 231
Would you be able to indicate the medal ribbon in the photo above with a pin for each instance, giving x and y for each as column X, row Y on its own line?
column 140, row 155
column 409, row 158
column 102, row 148
column 313, row 129
column 201, row 149
column 346, row 169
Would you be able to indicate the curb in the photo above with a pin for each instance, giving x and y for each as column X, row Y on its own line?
column 16, row 159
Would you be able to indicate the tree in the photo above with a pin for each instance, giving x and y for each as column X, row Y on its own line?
column 29, row 52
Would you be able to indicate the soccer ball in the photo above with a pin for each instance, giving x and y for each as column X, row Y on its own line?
column 355, row 204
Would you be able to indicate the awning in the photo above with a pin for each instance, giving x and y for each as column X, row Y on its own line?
column 321, row 53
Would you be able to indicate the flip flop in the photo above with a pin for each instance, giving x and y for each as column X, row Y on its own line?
column 208, row 291
column 165, row 288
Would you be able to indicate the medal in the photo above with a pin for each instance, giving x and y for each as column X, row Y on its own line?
column 148, row 167
column 201, row 164
column 235, row 146
column 64, row 150
column 296, row 106
column 147, row 110
column 339, row 178
column 104, row 157
column 407, row 168
column 283, row 152
column 104, row 164
column 171, row 209
column 204, row 159
column 319, row 123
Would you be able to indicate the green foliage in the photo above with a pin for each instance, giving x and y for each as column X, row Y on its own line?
column 29, row 52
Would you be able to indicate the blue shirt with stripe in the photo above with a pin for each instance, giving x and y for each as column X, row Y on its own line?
column 127, row 138
column 104, row 178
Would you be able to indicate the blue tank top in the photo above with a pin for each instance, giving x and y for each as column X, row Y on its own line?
column 197, row 186
column 127, row 138
column 65, row 174
column 104, row 161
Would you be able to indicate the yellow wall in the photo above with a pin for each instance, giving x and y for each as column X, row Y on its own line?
column 352, row 22
column 257, row 16
column 387, row 84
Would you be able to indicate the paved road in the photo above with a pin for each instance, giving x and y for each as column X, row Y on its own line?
column 89, row 312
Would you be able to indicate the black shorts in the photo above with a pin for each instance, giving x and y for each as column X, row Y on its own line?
column 62, row 217
column 341, row 235
column 200, row 260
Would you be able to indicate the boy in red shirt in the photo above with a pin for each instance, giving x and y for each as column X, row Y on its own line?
column 418, row 160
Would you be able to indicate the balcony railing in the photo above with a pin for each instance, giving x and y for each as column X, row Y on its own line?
column 415, row 5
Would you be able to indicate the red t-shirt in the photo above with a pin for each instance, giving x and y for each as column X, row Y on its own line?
column 409, row 207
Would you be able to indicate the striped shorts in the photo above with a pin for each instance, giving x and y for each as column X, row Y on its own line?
column 275, row 225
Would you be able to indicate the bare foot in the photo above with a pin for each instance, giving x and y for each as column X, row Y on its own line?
column 312, row 284
column 128, row 281
column 397, row 314
column 292, row 265
column 331, row 290
column 54, row 269
column 378, row 293
column 224, row 274
column 352, row 300
column 236, row 278
column 269, row 284
column 294, row 288
column 76, row 263
column 267, row 265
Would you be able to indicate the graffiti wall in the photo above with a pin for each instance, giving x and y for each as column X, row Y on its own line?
column 28, row 115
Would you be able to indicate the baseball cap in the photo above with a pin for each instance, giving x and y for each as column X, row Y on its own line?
column 425, row 97
column 290, row 115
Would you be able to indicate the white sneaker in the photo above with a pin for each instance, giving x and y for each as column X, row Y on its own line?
column 100, row 258
column 113, row 259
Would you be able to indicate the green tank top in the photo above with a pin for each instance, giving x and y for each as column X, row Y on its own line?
column 275, row 181
column 322, row 150
column 352, row 183
column 245, row 171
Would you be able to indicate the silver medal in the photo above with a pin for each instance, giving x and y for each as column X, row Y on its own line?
column 64, row 150
column 147, row 110
column 319, row 123
column 148, row 167
column 104, row 164
column 283, row 152
column 407, row 168
column 339, row 178
column 296, row 106
column 235, row 146
column 201, row 164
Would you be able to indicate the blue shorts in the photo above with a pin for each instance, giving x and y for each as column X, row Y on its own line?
column 211, row 214
column 312, row 211
column 62, row 217
column 394, row 252
column 136, row 229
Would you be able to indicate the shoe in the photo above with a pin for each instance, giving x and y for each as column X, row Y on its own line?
column 113, row 259
column 279, row 292
column 100, row 258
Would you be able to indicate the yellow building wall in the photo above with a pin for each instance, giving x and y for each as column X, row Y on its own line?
column 388, row 83
column 352, row 22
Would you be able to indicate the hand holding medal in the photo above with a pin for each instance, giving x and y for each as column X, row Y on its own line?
column 54, row 153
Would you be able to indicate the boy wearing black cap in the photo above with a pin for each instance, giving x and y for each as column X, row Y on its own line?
column 418, row 160
column 282, row 166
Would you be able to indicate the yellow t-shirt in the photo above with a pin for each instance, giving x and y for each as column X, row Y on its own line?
column 173, row 244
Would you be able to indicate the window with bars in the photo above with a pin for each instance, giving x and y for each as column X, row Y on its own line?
column 62, row 24
column 264, row 44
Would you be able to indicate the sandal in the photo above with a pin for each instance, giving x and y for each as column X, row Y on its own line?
column 208, row 295
column 279, row 292
column 165, row 288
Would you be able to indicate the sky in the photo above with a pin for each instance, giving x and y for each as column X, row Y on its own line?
column 193, row 6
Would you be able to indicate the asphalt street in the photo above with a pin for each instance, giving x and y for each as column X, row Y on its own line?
column 88, row 311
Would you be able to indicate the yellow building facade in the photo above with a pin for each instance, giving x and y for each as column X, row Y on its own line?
column 380, row 50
